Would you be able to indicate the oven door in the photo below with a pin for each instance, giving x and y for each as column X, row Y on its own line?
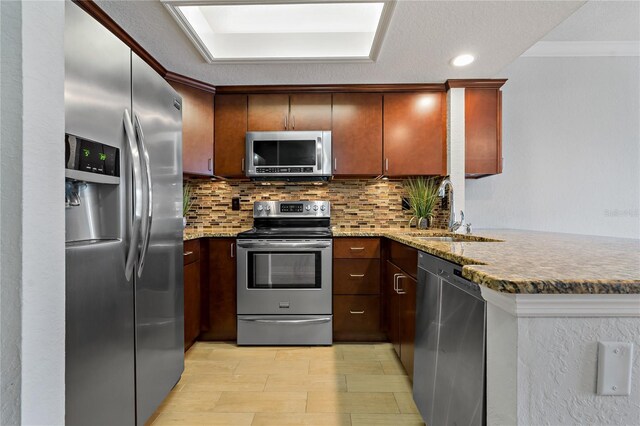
column 284, row 277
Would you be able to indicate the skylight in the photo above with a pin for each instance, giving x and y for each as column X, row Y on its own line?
column 228, row 31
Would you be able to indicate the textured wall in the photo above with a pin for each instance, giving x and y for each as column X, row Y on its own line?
column 355, row 203
column 571, row 128
column 557, row 371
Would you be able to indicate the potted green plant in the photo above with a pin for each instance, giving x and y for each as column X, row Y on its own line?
column 422, row 194
column 187, row 202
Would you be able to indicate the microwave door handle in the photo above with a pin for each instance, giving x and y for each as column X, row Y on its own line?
column 319, row 154
column 134, row 156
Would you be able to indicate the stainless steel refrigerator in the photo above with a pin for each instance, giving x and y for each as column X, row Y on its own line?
column 124, row 289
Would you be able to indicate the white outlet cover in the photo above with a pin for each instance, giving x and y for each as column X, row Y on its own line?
column 615, row 360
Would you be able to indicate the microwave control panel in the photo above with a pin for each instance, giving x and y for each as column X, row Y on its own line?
column 89, row 156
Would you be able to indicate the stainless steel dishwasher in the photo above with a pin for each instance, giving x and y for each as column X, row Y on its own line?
column 449, row 369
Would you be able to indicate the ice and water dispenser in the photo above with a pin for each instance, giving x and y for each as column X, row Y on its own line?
column 92, row 190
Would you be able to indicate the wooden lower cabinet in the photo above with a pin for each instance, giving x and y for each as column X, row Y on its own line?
column 400, row 313
column 192, row 291
column 356, row 318
column 222, row 292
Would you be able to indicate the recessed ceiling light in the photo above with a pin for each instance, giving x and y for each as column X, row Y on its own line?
column 256, row 31
column 462, row 60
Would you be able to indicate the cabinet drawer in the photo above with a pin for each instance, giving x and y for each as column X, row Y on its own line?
column 405, row 257
column 356, row 276
column 356, row 248
column 356, row 318
column 191, row 252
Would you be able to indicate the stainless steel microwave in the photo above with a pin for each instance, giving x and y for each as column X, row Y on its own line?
column 289, row 156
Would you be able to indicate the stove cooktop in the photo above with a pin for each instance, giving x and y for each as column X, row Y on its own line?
column 286, row 233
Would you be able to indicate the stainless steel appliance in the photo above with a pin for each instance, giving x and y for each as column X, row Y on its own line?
column 124, row 301
column 284, row 275
column 290, row 156
column 449, row 358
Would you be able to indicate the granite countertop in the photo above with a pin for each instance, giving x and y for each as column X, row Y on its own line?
column 525, row 262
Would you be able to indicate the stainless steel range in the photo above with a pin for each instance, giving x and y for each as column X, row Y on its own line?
column 284, row 275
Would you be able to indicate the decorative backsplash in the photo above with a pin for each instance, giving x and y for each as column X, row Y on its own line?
column 355, row 203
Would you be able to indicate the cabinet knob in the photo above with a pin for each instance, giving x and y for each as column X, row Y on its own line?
column 210, row 164
column 242, row 164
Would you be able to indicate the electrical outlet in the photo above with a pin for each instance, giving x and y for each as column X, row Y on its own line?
column 235, row 203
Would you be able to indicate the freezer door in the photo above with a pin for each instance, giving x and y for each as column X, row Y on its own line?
column 159, row 284
column 99, row 359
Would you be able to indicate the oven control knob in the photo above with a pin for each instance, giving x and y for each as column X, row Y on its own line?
column 268, row 208
column 315, row 208
column 260, row 208
column 308, row 207
column 322, row 208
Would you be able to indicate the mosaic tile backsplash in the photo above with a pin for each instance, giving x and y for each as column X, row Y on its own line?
column 355, row 203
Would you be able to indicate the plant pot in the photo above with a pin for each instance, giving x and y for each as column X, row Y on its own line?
column 424, row 223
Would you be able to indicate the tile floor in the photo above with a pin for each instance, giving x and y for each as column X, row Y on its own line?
column 346, row 384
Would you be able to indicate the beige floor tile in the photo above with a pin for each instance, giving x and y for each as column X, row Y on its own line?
column 272, row 367
column 261, row 402
column 190, row 401
column 306, row 382
column 301, row 419
column 405, row 402
column 310, row 353
column 393, row 366
column 377, row 383
column 222, row 419
column 345, row 367
column 386, row 420
column 209, row 367
column 372, row 354
column 241, row 354
column 212, row 382
column 351, row 402
column 382, row 346
column 197, row 352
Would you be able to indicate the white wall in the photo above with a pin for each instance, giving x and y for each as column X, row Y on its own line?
column 32, row 213
column 571, row 147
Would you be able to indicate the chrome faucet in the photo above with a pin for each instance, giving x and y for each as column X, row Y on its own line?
column 442, row 192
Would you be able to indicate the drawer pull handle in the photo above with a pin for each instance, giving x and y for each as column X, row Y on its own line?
column 188, row 253
column 357, row 248
column 356, row 312
column 356, row 275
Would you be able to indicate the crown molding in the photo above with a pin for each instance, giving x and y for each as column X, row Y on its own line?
column 475, row 83
column 564, row 305
column 188, row 81
column 333, row 88
column 583, row 48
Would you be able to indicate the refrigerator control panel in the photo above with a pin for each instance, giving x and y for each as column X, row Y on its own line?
column 89, row 156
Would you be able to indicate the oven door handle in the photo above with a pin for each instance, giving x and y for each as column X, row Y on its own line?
column 268, row 245
column 288, row 321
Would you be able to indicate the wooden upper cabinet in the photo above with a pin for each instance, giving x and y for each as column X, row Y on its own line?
column 304, row 111
column 357, row 134
column 310, row 111
column 197, row 129
column 230, row 133
column 268, row 112
column 483, row 134
column 415, row 134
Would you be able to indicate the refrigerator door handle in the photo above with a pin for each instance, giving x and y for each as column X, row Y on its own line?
column 148, row 201
column 137, row 197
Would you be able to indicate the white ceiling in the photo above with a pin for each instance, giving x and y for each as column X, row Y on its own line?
column 422, row 38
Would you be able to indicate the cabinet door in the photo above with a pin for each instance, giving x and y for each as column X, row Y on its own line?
column 222, row 289
column 407, row 287
column 230, row 132
column 414, row 134
column 357, row 134
column 483, row 138
column 393, row 305
column 310, row 111
column 191, row 303
column 268, row 112
column 197, row 130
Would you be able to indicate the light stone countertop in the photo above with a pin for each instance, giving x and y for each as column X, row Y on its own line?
column 521, row 261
